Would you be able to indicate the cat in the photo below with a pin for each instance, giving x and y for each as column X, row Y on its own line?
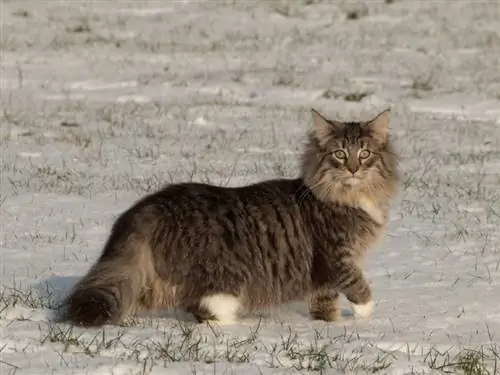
column 218, row 252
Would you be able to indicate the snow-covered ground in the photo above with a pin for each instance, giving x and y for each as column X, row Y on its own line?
column 103, row 101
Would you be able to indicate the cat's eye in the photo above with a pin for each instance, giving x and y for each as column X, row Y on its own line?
column 364, row 154
column 340, row 154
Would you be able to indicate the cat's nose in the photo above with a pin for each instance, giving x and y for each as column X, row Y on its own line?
column 352, row 168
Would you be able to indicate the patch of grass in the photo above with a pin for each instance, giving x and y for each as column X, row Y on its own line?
column 10, row 116
column 481, row 361
column 22, row 13
column 56, row 333
column 419, row 86
column 50, row 179
column 112, row 115
column 348, row 97
column 283, row 79
column 69, row 124
column 353, row 15
column 356, row 96
column 422, row 84
column 381, row 363
column 190, row 342
column 188, row 346
column 71, row 337
column 284, row 9
column 356, row 13
column 313, row 357
column 12, row 297
column 329, row 94
column 194, row 343
column 82, row 26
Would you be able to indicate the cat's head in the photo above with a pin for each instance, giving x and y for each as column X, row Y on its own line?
column 343, row 157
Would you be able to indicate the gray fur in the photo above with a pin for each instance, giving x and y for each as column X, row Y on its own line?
column 264, row 244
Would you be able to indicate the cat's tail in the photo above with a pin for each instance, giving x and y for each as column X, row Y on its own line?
column 113, row 287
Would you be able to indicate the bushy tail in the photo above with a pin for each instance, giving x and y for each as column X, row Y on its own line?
column 112, row 289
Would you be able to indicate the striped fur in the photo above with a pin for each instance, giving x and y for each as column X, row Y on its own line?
column 217, row 252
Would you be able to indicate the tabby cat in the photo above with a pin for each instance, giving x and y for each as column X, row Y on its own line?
column 217, row 252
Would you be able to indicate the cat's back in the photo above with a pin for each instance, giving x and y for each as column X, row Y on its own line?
column 204, row 195
column 205, row 208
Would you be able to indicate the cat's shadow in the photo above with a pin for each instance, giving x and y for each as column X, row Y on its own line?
column 56, row 288
column 52, row 291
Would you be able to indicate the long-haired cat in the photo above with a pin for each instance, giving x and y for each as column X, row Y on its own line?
column 217, row 252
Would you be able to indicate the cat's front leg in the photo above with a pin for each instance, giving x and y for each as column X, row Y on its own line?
column 354, row 286
column 324, row 305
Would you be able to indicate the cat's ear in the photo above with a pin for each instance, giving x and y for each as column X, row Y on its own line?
column 379, row 126
column 322, row 127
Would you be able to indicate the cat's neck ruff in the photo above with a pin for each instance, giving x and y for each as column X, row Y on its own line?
column 372, row 209
column 355, row 198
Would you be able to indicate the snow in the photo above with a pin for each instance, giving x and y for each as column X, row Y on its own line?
column 221, row 92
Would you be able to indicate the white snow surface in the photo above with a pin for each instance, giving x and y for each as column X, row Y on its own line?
column 105, row 101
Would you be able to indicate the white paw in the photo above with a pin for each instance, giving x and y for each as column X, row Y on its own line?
column 224, row 307
column 363, row 311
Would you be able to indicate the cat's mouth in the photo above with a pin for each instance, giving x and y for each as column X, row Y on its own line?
column 352, row 181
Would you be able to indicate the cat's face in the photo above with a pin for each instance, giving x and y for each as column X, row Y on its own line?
column 351, row 153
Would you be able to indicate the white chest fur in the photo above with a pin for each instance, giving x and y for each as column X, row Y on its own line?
column 372, row 209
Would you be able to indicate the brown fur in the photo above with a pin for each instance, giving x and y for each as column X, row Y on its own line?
column 264, row 244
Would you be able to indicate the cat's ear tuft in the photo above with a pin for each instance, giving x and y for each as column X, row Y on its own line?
column 322, row 127
column 379, row 126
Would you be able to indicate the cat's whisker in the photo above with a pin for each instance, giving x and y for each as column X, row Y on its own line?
column 308, row 190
